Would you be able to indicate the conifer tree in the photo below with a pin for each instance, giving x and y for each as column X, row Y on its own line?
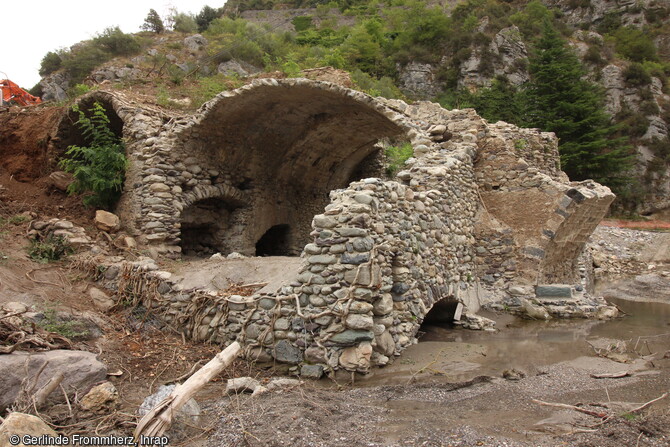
column 560, row 100
column 153, row 22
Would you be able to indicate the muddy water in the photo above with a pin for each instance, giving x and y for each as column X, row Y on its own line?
column 458, row 355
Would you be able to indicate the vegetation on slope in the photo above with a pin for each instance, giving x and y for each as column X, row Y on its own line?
column 385, row 35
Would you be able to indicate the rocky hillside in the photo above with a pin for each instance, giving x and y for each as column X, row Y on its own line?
column 457, row 53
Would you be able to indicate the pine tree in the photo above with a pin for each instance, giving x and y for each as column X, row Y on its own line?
column 153, row 22
column 560, row 100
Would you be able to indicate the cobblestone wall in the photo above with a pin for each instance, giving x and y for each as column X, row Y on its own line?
column 478, row 202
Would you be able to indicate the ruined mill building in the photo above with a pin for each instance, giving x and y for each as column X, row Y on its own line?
column 295, row 167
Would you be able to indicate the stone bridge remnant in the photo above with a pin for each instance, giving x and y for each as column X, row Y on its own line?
column 292, row 167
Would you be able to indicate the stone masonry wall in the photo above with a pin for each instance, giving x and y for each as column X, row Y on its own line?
column 477, row 202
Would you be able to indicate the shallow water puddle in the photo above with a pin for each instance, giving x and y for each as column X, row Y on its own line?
column 458, row 355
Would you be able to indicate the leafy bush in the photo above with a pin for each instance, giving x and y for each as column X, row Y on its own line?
column 185, row 23
column 78, row 90
column 636, row 76
column 531, row 18
column 375, row 87
column 396, row 156
column 649, row 108
column 98, row 169
column 116, row 42
column 302, row 23
column 50, row 63
column 635, row 44
column 53, row 248
column 82, row 60
column 610, row 23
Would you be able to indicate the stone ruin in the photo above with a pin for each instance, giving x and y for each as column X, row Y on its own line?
column 480, row 216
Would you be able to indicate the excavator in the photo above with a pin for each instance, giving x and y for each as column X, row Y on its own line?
column 12, row 93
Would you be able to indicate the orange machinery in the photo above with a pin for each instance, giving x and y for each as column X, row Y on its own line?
column 13, row 93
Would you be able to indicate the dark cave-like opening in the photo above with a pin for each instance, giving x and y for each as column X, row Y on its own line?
column 442, row 314
column 275, row 242
column 203, row 227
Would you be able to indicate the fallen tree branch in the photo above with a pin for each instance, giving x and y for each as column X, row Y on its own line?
column 616, row 375
column 159, row 419
column 643, row 406
column 571, row 407
column 41, row 395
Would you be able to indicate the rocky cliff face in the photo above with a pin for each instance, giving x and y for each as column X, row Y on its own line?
column 642, row 108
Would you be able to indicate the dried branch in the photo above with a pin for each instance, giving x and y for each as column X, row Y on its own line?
column 159, row 419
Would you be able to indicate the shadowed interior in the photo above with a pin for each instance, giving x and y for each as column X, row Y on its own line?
column 288, row 147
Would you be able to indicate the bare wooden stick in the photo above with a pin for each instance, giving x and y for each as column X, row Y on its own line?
column 256, row 284
column 571, row 407
column 643, row 406
column 41, row 395
column 159, row 419
column 616, row 375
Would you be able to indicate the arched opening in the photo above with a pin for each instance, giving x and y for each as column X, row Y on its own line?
column 70, row 134
column 293, row 142
column 204, row 225
column 442, row 313
column 275, row 242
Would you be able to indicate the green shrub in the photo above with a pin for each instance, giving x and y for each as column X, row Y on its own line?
column 649, row 108
column 610, row 23
column 660, row 148
column 208, row 87
column 50, row 63
column 116, row 42
column 636, row 76
column 396, row 156
column 82, row 60
column 594, row 56
column 53, row 248
column 78, row 90
column 383, row 87
column 635, row 44
column 185, row 23
column 98, row 169
column 302, row 23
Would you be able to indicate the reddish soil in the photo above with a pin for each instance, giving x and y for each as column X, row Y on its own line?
column 659, row 225
column 24, row 141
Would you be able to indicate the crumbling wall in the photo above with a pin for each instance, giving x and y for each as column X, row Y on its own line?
column 478, row 201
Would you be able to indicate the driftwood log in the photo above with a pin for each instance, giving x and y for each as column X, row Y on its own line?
column 159, row 419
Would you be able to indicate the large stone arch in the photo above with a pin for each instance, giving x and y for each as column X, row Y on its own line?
column 286, row 145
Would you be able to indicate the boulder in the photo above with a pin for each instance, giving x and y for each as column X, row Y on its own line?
column 81, row 370
column 285, row 352
column 100, row 299
column 356, row 357
column 101, row 399
column 189, row 413
column 242, row 385
column 283, row 382
column 311, row 371
column 107, row 221
column 21, row 424
column 61, row 180
column 195, row 42
column 232, row 67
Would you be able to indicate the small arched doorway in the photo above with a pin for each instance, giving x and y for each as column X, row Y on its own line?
column 204, row 225
column 276, row 241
